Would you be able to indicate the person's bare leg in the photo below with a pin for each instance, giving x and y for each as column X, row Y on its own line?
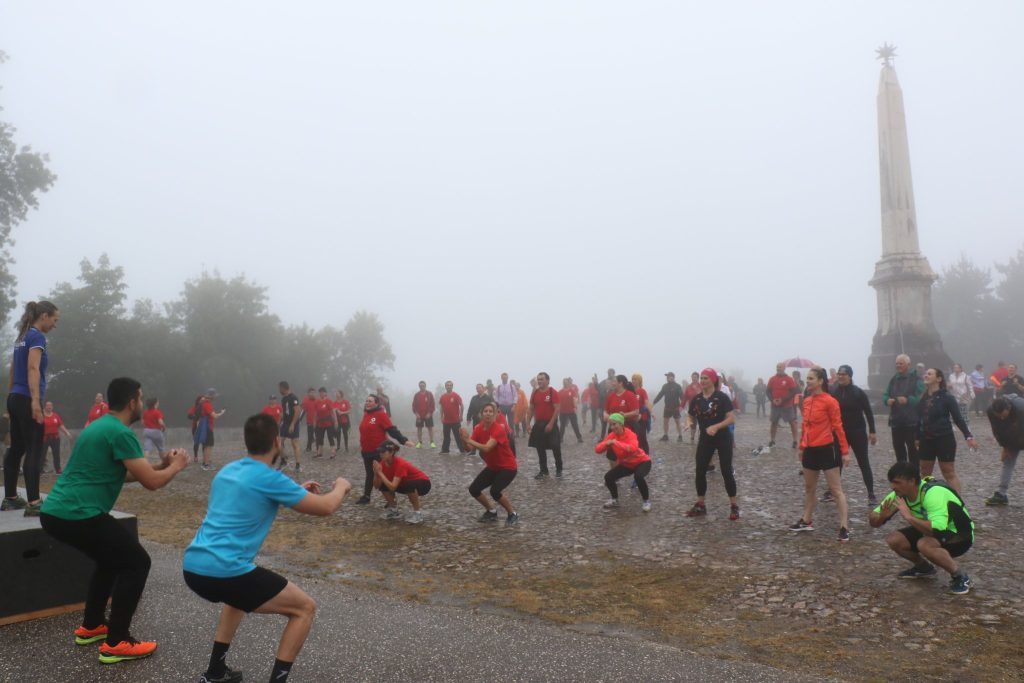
column 679, row 427
column 810, row 499
column 389, row 496
column 419, row 433
column 665, row 427
column 792, row 428
column 430, row 433
column 506, row 503
column 206, row 454
column 929, row 547
column 901, row 546
column 773, row 430
column 948, row 470
column 926, row 467
column 835, row 485
column 300, row 609
column 486, row 502
column 230, row 618
column 414, row 500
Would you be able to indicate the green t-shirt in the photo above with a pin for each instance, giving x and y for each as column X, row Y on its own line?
column 95, row 473
column 934, row 506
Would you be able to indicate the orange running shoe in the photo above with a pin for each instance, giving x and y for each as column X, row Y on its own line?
column 126, row 650
column 88, row 636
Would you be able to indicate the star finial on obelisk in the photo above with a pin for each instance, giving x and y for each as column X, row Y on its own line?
column 886, row 53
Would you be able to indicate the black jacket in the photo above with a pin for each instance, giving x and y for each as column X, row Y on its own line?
column 1009, row 433
column 854, row 407
column 936, row 414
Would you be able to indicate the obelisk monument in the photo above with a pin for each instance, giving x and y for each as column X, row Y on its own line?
column 903, row 279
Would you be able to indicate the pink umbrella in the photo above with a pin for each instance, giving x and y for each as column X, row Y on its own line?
column 799, row 362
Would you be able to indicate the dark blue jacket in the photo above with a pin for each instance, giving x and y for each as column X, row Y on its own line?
column 936, row 414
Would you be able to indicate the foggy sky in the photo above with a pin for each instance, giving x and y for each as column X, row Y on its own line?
column 522, row 186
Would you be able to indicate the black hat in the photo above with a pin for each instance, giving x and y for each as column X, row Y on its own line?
column 389, row 446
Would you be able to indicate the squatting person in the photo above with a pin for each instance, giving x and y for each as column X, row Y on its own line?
column 490, row 439
column 622, row 447
column 392, row 474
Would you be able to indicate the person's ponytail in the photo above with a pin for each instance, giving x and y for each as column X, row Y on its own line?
column 33, row 311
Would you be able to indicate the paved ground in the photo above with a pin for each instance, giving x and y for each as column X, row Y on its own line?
column 739, row 591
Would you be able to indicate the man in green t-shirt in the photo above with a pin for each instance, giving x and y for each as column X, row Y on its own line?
column 940, row 526
column 77, row 512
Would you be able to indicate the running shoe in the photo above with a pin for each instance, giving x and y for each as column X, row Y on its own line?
column 415, row 518
column 512, row 520
column 698, row 510
column 33, row 509
column 960, row 585
column 646, row 507
column 88, row 636
column 558, row 474
column 363, row 500
column 488, row 516
column 419, row 445
column 433, row 445
column 664, row 437
column 208, row 467
column 872, row 501
column 918, row 572
column 801, row 525
column 298, row 467
column 844, row 534
column 828, row 497
column 126, row 650
column 229, row 676
column 771, row 444
column 392, row 513
column 679, row 439
column 995, row 499
column 17, row 503
column 734, row 512
column 612, row 503
column 794, row 445
column 541, row 475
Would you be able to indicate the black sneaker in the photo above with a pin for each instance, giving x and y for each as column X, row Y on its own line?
column 794, row 445
column 844, row 534
column 488, row 516
column 16, row 503
column 801, row 525
column 771, row 444
column 664, row 438
column 698, row 510
column 363, row 500
column 918, row 573
column 960, row 585
column 512, row 520
column 541, row 475
column 558, row 474
column 997, row 499
column 679, row 439
column 229, row 676
column 872, row 501
column 828, row 497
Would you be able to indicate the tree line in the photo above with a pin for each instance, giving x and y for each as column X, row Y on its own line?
column 218, row 333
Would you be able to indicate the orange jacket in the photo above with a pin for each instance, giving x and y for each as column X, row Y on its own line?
column 626, row 448
column 822, row 419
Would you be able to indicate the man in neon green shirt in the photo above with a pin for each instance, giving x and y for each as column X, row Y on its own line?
column 940, row 527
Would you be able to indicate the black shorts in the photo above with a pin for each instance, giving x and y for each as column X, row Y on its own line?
column 420, row 486
column 425, row 422
column 498, row 480
column 209, row 439
column 245, row 592
column 941, row 448
column 821, row 458
column 955, row 546
column 287, row 432
column 671, row 412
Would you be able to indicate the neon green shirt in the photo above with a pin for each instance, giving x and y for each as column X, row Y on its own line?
column 934, row 506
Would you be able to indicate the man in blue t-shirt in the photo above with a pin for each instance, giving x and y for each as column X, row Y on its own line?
column 219, row 563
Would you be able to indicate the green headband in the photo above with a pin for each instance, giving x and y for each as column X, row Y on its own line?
column 617, row 417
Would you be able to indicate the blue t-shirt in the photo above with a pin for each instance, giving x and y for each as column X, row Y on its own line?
column 33, row 339
column 244, row 498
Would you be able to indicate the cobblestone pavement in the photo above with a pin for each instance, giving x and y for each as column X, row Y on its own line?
column 757, row 582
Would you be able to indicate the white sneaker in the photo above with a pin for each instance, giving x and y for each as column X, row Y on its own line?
column 415, row 518
column 612, row 503
column 646, row 507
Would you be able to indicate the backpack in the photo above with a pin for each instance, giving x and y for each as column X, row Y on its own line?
column 957, row 513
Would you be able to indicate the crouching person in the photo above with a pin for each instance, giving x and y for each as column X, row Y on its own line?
column 218, row 564
column 392, row 475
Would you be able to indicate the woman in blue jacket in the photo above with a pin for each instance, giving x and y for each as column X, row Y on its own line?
column 936, row 413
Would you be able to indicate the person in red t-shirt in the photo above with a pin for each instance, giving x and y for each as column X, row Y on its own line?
column 692, row 389
column 342, row 408
column 374, row 430
column 325, row 423
column 309, row 410
column 52, row 428
column 205, row 417
column 643, row 401
column 153, row 428
column 273, row 409
column 622, row 447
column 623, row 400
column 490, row 439
column 782, row 392
column 392, row 474
column 451, row 418
column 545, row 433
column 567, row 400
column 98, row 410
column 423, row 408
column 591, row 403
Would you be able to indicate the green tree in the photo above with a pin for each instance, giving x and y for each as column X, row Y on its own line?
column 363, row 353
column 23, row 175
column 1010, row 291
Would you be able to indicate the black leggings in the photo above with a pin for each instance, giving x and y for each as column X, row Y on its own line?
column 858, row 441
column 27, row 441
column 498, row 480
column 53, row 444
column 368, row 459
column 320, row 432
column 620, row 471
column 310, row 436
column 122, row 566
column 705, row 449
column 569, row 418
column 449, row 431
column 595, row 416
column 343, row 428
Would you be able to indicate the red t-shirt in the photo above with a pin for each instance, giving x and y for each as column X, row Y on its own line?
column 309, row 405
column 98, row 410
column 501, row 456
column 151, row 418
column 423, row 404
column 626, row 403
column 591, row 398
column 780, row 387
column 51, row 425
column 691, row 391
column 544, row 403
column 642, row 397
column 566, row 401
column 206, row 410
column 373, row 430
column 400, row 467
column 273, row 410
column 342, row 406
column 503, row 421
column 324, row 412
column 451, row 408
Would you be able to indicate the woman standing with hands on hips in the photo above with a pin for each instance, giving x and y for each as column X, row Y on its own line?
column 27, row 387
column 822, row 427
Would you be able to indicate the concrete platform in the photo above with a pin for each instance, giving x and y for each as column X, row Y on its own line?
column 49, row 577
